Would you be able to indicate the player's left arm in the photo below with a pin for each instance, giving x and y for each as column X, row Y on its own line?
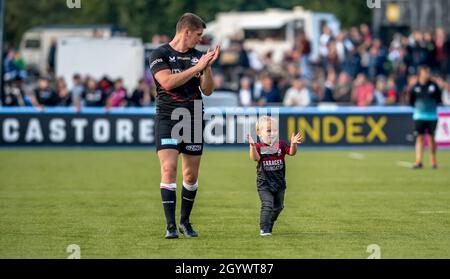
column 207, row 81
column 295, row 139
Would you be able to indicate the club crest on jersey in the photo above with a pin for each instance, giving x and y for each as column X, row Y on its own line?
column 431, row 89
column 172, row 59
column 194, row 60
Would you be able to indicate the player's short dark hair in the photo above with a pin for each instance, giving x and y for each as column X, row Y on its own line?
column 423, row 67
column 190, row 21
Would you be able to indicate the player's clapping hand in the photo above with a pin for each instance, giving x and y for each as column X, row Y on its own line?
column 203, row 62
column 297, row 138
column 215, row 56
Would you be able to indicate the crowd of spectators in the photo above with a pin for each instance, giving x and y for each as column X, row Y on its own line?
column 354, row 68
column 85, row 92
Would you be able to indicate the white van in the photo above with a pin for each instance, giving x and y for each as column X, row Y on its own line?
column 36, row 42
column 273, row 30
column 116, row 57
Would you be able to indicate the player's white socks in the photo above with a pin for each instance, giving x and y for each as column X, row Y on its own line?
column 192, row 187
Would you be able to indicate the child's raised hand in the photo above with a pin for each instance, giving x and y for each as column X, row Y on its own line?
column 250, row 139
column 297, row 138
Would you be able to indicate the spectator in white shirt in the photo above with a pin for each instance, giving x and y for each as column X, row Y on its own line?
column 324, row 39
column 245, row 92
column 297, row 95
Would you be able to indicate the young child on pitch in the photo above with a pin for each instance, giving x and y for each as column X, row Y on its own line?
column 271, row 182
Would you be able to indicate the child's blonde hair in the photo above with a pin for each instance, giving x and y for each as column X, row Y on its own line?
column 263, row 119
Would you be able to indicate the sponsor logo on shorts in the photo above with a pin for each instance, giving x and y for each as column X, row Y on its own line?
column 194, row 148
column 169, row 141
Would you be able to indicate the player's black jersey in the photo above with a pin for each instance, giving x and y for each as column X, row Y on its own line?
column 271, row 168
column 425, row 99
column 166, row 58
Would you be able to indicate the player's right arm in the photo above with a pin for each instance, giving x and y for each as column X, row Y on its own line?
column 169, row 81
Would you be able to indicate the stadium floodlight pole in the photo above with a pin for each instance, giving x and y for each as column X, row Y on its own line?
column 2, row 25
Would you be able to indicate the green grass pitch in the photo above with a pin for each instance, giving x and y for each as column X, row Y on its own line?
column 108, row 203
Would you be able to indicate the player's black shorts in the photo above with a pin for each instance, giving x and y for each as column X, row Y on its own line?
column 191, row 145
column 422, row 127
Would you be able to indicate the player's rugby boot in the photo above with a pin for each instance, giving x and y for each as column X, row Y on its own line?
column 265, row 232
column 187, row 230
column 171, row 232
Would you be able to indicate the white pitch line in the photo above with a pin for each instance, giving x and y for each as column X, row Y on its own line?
column 434, row 212
column 356, row 156
column 404, row 164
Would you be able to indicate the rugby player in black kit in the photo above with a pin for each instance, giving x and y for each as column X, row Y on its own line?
column 181, row 74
